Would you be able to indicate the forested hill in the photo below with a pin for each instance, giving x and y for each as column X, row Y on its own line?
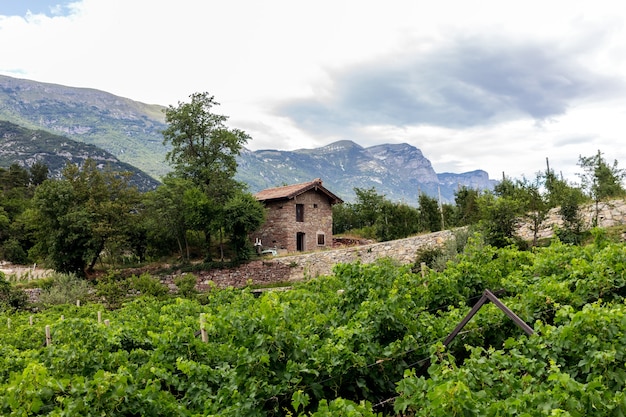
column 25, row 147
column 127, row 129
column 132, row 132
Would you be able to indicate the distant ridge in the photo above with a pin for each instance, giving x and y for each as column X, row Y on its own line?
column 399, row 171
column 131, row 132
column 25, row 147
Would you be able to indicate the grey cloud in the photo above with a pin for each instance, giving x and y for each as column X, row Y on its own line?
column 467, row 83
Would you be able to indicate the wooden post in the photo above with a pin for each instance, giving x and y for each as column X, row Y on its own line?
column 62, row 318
column 77, row 303
column 30, row 320
column 99, row 316
column 48, row 338
column 205, row 337
column 107, row 323
column 423, row 268
column 8, row 323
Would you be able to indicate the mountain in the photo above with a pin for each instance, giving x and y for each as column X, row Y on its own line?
column 130, row 132
column 127, row 129
column 25, row 147
column 399, row 171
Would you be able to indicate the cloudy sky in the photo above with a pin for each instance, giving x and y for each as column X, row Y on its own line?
column 494, row 85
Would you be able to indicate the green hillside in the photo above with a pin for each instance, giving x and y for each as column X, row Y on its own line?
column 25, row 147
column 129, row 130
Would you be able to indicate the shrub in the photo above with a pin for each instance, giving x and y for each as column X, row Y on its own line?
column 145, row 284
column 65, row 289
column 11, row 298
column 13, row 252
column 186, row 284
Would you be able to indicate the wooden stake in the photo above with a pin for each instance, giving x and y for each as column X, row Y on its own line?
column 99, row 316
column 77, row 303
column 48, row 338
column 30, row 320
column 107, row 323
column 205, row 337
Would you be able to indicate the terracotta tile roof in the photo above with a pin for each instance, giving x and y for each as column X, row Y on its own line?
column 290, row 191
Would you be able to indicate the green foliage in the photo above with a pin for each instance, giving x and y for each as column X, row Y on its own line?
column 11, row 298
column 466, row 206
column 82, row 215
column 13, row 252
column 601, row 180
column 499, row 218
column 145, row 284
column 186, row 284
column 340, row 344
column 430, row 215
column 243, row 215
column 65, row 289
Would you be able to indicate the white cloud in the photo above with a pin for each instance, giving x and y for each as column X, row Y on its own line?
column 549, row 88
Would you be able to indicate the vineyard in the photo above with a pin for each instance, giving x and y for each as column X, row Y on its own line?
column 365, row 341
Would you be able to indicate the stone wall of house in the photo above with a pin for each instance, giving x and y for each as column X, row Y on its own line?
column 281, row 228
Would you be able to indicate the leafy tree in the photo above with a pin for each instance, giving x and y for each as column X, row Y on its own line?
column 204, row 150
column 430, row 213
column 600, row 179
column 79, row 215
column 396, row 221
column 38, row 173
column 368, row 206
column 244, row 214
column 499, row 218
column 569, row 209
column 466, row 206
column 535, row 206
column 167, row 216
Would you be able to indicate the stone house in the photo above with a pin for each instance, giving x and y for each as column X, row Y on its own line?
column 299, row 217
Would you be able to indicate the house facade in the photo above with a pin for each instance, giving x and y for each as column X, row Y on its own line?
column 299, row 217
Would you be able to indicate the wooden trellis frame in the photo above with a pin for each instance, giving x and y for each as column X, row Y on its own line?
column 488, row 296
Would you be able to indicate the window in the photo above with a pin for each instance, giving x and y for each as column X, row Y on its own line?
column 299, row 212
column 321, row 239
column 314, row 205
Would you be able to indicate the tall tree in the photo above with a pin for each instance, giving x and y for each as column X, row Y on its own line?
column 534, row 204
column 466, row 206
column 430, row 213
column 204, row 150
column 600, row 179
column 80, row 214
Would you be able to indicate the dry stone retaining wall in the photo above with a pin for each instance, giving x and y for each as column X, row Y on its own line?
column 298, row 267
column 610, row 213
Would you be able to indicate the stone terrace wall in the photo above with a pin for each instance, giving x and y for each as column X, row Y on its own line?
column 298, row 267
column 610, row 213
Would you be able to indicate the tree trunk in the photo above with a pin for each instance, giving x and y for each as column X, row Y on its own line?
column 96, row 255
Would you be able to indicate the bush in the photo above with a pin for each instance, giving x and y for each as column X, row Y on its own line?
column 112, row 290
column 186, row 284
column 13, row 252
column 11, row 298
column 65, row 289
column 145, row 284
